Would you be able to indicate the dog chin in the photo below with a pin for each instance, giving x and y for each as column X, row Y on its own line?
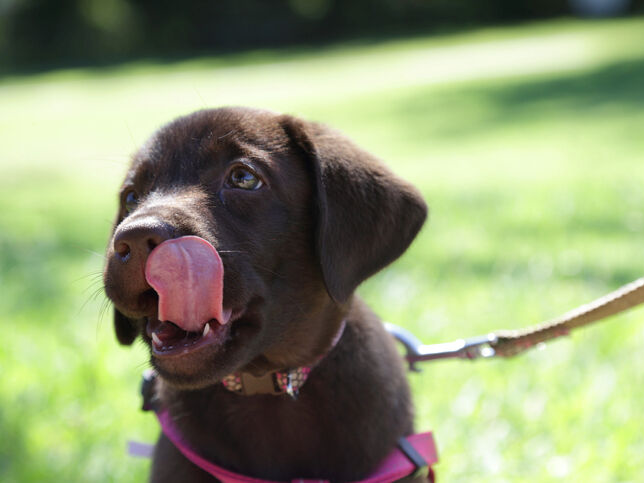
column 195, row 370
column 188, row 381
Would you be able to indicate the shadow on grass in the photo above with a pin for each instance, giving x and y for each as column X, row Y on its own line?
column 475, row 110
column 12, row 445
column 239, row 52
column 620, row 83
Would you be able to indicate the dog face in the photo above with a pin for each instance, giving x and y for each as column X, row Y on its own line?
column 298, row 215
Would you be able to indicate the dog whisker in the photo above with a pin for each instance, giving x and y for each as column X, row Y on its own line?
column 96, row 276
column 91, row 298
column 105, row 305
column 91, row 252
column 142, row 366
column 226, row 135
column 93, row 285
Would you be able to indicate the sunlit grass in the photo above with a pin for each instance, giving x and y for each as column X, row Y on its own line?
column 526, row 142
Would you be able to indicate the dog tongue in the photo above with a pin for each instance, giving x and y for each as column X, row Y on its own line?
column 188, row 275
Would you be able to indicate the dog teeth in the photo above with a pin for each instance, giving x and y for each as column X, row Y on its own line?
column 156, row 340
column 206, row 329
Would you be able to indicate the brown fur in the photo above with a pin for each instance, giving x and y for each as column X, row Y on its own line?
column 329, row 216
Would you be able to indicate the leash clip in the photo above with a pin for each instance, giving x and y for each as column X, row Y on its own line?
column 471, row 348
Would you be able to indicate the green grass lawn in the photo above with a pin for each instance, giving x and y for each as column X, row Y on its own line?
column 528, row 144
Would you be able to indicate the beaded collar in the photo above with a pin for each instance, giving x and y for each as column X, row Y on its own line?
column 288, row 381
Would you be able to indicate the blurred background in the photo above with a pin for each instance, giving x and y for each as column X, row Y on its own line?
column 521, row 122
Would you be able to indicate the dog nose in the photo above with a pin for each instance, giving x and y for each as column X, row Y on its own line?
column 137, row 240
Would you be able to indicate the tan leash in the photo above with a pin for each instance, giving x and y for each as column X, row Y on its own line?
column 506, row 343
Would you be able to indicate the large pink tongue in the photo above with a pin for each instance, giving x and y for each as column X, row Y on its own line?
column 188, row 275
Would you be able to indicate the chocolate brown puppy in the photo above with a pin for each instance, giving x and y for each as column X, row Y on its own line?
column 279, row 219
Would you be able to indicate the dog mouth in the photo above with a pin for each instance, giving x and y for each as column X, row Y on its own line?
column 168, row 339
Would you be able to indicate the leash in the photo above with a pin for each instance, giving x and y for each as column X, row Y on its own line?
column 507, row 343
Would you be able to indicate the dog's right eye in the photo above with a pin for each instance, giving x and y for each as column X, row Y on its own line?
column 244, row 178
column 131, row 201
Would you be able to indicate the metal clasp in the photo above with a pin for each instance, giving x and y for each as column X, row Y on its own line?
column 416, row 351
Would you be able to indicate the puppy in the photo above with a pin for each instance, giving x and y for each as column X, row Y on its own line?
column 239, row 242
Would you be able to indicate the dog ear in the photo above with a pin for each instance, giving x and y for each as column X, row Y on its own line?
column 366, row 216
column 126, row 329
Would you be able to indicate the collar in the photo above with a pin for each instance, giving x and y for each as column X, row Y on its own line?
column 288, row 381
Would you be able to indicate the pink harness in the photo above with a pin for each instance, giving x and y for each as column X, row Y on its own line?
column 397, row 465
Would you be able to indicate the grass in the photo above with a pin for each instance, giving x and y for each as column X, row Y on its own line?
column 526, row 142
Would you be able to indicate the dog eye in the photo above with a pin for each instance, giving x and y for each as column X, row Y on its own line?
column 244, row 178
column 131, row 200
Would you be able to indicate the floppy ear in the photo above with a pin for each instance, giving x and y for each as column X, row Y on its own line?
column 126, row 329
column 366, row 216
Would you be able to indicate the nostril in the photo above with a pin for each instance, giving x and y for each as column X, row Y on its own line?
column 123, row 250
column 153, row 243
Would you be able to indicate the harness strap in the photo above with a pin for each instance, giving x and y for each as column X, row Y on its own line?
column 396, row 466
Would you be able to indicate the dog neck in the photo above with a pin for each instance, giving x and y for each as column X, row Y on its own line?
column 276, row 382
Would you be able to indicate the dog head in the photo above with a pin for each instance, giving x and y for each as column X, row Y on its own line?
column 296, row 215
